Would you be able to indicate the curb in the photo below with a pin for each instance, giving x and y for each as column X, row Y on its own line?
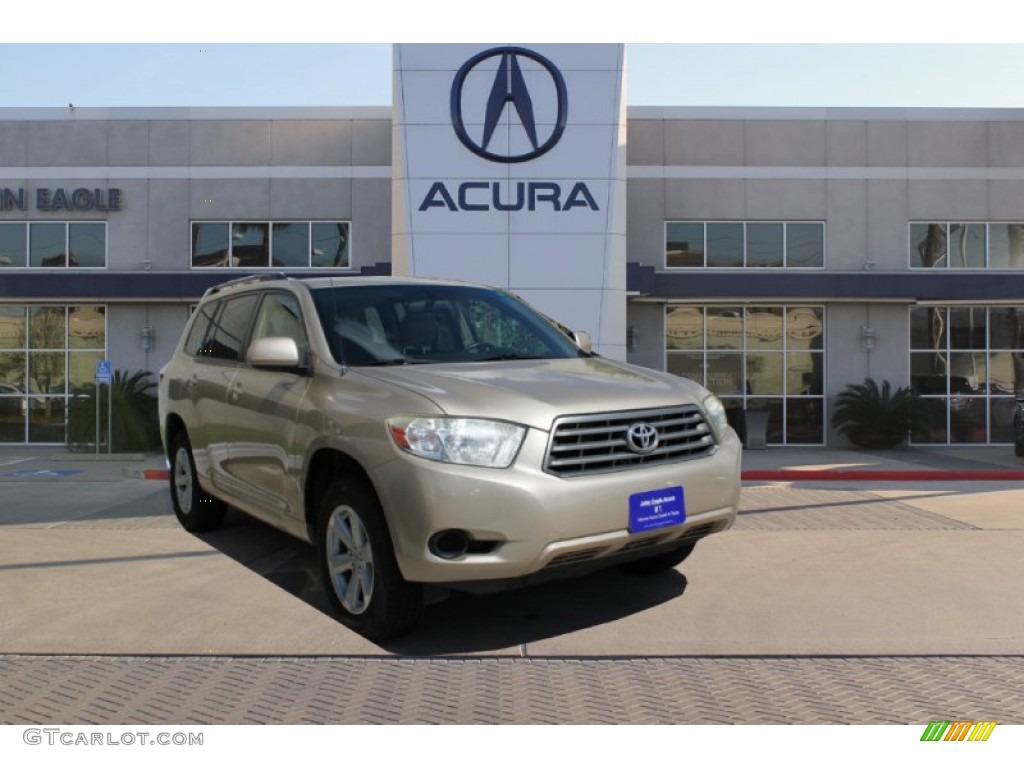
column 796, row 475
column 923, row 475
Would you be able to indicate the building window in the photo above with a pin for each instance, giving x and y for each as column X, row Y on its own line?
column 755, row 244
column 48, row 244
column 271, row 244
column 966, row 245
column 48, row 354
column 756, row 358
column 966, row 364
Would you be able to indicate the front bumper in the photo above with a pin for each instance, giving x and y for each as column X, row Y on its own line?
column 532, row 521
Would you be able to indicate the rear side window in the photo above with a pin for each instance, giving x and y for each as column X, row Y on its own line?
column 196, row 339
column 229, row 328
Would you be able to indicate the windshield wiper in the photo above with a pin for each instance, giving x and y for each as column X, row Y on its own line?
column 511, row 356
column 388, row 361
column 397, row 361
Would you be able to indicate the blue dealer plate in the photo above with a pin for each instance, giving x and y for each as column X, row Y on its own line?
column 656, row 509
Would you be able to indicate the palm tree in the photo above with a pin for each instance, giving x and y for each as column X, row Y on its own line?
column 873, row 417
column 134, row 423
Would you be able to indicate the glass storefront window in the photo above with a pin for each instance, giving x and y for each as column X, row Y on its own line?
column 47, row 354
column 12, row 327
column 966, row 245
column 805, row 245
column 760, row 357
column 46, row 245
column 685, row 247
column 684, row 328
column 756, row 244
column 53, row 244
column 87, row 328
column 13, row 245
column 46, row 328
column 210, row 244
column 291, row 244
column 271, row 244
column 87, row 244
column 764, row 245
column 725, row 327
column 966, row 363
column 725, row 245
column 250, row 244
column 330, row 245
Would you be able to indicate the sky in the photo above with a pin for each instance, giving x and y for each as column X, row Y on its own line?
column 744, row 53
column 217, row 74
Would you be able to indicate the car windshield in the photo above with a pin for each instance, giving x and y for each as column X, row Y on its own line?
column 406, row 324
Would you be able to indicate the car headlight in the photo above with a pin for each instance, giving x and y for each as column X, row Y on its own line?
column 715, row 413
column 479, row 442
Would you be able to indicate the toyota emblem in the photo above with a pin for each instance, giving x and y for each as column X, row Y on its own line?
column 642, row 438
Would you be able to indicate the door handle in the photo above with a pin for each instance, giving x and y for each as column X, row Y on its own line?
column 234, row 391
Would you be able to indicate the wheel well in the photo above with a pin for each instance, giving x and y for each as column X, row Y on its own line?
column 174, row 426
column 326, row 466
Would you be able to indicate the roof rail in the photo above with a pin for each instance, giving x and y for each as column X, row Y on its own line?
column 259, row 278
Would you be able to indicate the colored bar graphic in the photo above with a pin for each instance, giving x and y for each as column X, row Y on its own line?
column 958, row 730
column 982, row 730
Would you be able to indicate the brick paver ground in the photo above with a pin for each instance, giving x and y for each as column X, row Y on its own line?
column 707, row 690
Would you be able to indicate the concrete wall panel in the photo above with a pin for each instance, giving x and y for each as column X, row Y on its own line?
column 704, row 142
column 846, row 225
column 67, row 143
column 846, row 143
column 311, row 142
column 128, row 142
column 952, row 143
column 784, row 142
column 230, row 142
column 646, row 226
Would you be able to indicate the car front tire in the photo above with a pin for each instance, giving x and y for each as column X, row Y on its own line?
column 195, row 509
column 358, row 566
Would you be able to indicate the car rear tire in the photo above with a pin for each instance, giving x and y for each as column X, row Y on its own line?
column 358, row 566
column 195, row 509
column 663, row 561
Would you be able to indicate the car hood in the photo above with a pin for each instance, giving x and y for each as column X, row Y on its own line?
column 536, row 392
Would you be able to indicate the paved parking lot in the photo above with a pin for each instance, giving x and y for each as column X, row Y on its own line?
column 827, row 603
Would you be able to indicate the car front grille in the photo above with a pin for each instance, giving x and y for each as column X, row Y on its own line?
column 597, row 442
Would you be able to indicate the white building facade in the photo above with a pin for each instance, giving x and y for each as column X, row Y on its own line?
column 775, row 255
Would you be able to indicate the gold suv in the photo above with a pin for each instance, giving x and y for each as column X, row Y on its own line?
column 422, row 431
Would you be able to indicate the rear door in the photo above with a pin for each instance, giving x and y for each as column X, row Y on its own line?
column 270, row 427
column 216, row 363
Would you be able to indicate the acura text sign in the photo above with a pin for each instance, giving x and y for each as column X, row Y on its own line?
column 509, row 169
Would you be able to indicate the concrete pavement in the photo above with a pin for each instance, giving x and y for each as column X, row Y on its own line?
column 878, row 575
column 94, row 562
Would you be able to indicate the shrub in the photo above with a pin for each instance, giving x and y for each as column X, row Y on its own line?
column 873, row 417
column 135, row 424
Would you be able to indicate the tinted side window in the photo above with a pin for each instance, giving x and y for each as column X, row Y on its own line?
column 196, row 339
column 280, row 315
column 229, row 329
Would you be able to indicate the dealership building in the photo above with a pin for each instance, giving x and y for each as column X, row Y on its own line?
column 775, row 255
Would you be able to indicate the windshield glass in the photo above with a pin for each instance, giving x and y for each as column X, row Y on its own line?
column 408, row 323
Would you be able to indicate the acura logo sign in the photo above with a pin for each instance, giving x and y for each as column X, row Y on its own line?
column 509, row 90
column 642, row 438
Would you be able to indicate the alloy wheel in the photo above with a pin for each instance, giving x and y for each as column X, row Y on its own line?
column 350, row 560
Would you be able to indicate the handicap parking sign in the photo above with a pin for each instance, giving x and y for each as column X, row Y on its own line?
column 103, row 372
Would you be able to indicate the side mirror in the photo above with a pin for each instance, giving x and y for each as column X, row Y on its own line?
column 274, row 352
column 582, row 339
